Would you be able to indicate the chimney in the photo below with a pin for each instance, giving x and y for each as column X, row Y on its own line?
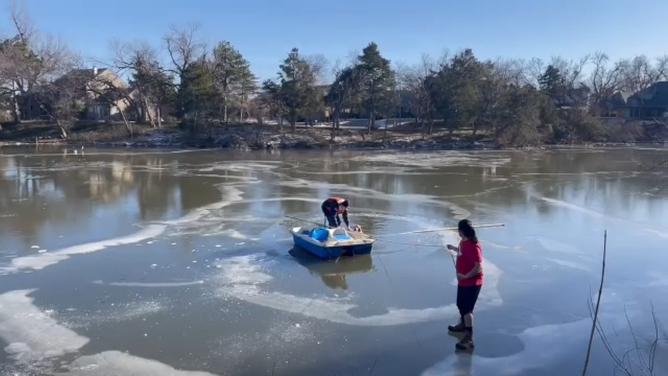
column 94, row 71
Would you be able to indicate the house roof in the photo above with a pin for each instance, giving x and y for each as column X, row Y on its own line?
column 653, row 96
column 619, row 99
column 83, row 75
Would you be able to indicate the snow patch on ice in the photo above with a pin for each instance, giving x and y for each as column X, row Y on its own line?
column 43, row 260
column 116, row 363
column 242, row 277
column 149, row 284
column 32, row 334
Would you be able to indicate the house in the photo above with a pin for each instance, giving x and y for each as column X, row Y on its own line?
column 615, row 106
column 101, row 93
column 648, row 103
column 576, row 98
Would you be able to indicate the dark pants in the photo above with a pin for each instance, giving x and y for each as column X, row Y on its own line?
column 466, row 299
column 332, row 218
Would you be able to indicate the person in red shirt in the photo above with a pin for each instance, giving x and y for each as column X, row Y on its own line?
column 470, row 278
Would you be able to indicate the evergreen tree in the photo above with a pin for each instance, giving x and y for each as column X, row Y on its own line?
column 377, row 83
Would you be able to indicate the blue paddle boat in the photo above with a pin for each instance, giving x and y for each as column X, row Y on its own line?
column 332, row 243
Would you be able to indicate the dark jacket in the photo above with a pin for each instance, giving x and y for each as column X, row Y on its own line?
column 331, row 209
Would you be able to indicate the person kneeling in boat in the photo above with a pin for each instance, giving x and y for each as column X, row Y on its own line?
column 334, row 206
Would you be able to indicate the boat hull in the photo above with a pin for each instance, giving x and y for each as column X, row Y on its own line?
column 330, row 251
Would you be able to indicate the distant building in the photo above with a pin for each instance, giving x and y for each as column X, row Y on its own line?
column 648, row 103
column 103, row 95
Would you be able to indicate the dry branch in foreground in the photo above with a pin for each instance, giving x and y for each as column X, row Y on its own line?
column 636, row 359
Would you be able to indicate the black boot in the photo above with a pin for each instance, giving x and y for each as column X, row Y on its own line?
column 459, row 328
column 466, row 344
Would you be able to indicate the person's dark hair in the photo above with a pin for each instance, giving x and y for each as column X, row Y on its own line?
column 467, row 229
column 345, row 203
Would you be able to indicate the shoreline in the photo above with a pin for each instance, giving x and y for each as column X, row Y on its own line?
column 245, row 137
column 352, row 145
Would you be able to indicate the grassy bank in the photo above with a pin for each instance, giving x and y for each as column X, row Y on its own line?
column 255, row 136
column 243, row 136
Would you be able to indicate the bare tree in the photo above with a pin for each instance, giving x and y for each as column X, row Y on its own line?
column 535, row 68
column 353, row 56
column 134, row 59
column 108, row 88
column 604, row 80
column 319, row 65
column 14, row 53
column 184, row 46
column 516, row 72
column 572, row 71
column 30, row 63
column 23, row 25
column 61, row 99
column 414, row 80
column 150, row 85
column 571, row 90
column 343, row 90
column 640, row 72
column 661, row 68
column 185, row 49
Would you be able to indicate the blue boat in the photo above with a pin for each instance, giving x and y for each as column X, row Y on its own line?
column 331, row 243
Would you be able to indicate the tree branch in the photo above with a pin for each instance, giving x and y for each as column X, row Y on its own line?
column 598, row 304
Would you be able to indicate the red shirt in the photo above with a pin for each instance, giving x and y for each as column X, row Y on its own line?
column 469, row 254
column 339, row 201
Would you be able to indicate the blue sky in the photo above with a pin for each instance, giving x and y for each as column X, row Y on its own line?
column 264, row 31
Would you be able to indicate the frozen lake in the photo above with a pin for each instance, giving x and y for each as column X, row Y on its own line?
column 153, row 263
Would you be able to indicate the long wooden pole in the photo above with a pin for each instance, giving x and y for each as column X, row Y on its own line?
column 489, row 225
column 304, row 220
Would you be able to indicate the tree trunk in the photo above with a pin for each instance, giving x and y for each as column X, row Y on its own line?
column 158, row 111
column 147, row 111
column 63, row 130
column 16, row 111
column 128, row 127
column 372, row 121
column 335, row 122
column 422, row 127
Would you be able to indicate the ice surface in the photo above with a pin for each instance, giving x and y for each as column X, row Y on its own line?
column 116, row 363
column 42, row 260
column 149, row 284
column 242, row 277
column 33, row 335
column 539, row 353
